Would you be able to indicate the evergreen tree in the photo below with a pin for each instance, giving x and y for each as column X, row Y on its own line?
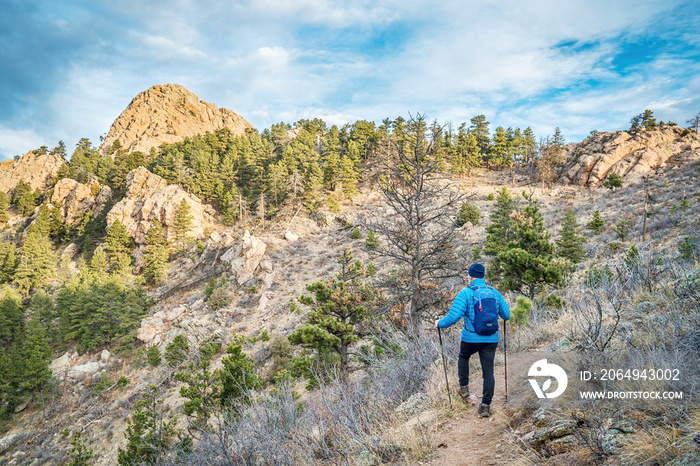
column 237, row 377
column 20, row 189
column 570, row 241
column 98, row 264
column 36, row 264
column 37, row 355
column 500, row 156
column 612, row 181
column 149, row 435
column 11, row 324
column 4, row 204
column 201, row 389
column 156, row 255
column 480, row 129
column 28, row 202
column 500, row 232
column 528, row 262
column 183, row 221
column 57, row 225
column 79, row 453
column 597, row 224
column 118, row 243
column 529, row 145
column 8, row 262
column 342, row 306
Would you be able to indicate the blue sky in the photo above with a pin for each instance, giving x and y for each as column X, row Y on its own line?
column 69, row 67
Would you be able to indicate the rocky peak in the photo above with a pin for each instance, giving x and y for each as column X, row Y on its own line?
column 168, row 113
column 33, row 168
column 148, row 198
column 629, row 155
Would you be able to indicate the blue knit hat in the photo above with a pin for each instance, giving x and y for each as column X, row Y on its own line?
column 476, row 270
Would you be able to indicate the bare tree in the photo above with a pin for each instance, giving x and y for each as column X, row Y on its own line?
column 419, row 234
column 694, row 122
column 551, row 157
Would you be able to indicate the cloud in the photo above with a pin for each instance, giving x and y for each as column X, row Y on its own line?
column 68, row 68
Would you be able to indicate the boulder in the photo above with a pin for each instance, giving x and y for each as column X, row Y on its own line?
column 291, row 236
column 150, row 198
column 37, row 170
column 244, row 257
column 105, row 356
column 165, row 114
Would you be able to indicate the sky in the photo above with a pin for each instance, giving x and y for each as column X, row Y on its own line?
column 68, row 68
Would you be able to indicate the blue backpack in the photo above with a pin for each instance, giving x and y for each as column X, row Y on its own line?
column 485, row 310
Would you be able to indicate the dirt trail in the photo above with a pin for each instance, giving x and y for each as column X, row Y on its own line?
column 468, row 439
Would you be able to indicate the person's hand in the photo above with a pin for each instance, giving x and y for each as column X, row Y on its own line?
column 437, row 324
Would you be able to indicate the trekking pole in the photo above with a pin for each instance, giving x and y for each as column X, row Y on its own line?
column 505, row 353
column 444, row 366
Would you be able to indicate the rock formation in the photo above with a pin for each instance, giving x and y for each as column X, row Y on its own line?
column 149, row 198
column 76, row 198
column 629, row 155
column 37, row 170
column 244, row 257
column 168, row 113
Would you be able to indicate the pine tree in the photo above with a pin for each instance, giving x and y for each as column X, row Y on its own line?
column 156, row 255
column 11, row 323
column 98, row 263
column 37, row 355
column 149, row 435
column 596, row 224
column 480, row 129
column 79, row 453
column 57, row 225
column 4, row 204
column 500, row 232
column 8, row 262
column 36, row 264
column 201, row 389
column 528, row 262
column 612, row 181
column 118, row 244
column 341, row 307
column 237, row 377
column 183, row 221
column 570, row 241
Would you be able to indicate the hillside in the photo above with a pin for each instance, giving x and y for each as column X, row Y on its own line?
column 224, row 278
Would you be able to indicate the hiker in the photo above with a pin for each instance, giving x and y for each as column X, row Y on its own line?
column 480, row 336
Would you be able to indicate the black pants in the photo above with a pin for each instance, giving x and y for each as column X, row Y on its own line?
column 487, row 355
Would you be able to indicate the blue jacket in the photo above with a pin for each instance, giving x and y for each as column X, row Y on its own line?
column 463, row 307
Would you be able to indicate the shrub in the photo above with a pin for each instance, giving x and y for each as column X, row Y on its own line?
column 491, row 197
column 688, row 248
column 122, row 382
column 153, row 356
column 521, row 312
column 468, row 213
column 175, row 352
column 622, row 229
column 596, row 277
column 476, row 253
column 356, row 234
column 372, row 241
column 613, row 181
column 220, row 298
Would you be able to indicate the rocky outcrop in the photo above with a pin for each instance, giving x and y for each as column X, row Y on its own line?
column 244, row 257
column 168, row 113
column 148, row 198
column 629, row 155
column 37, row 170
column 76, row 198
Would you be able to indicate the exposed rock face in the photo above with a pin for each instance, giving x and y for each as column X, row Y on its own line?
column 37, row 170
column 168, row 113
column 149, row 198
column 244, row 257
column 630, row 156
column 76, row 198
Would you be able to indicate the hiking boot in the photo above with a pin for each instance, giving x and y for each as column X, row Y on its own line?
column 464, row 393
column 484, row 410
